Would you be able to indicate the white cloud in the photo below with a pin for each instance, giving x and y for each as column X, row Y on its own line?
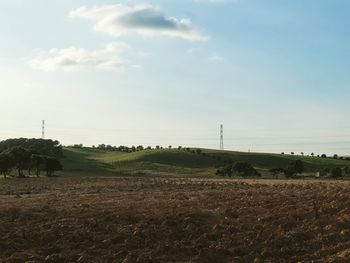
column 146, row 20
column 74, row 59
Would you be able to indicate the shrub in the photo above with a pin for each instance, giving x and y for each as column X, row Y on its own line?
column 245, row 169
column 276, row 171
column 336, row 172
column 225, row 171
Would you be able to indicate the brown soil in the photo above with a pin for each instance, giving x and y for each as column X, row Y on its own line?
column 173, row 220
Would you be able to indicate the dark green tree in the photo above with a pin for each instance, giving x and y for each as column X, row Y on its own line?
column 244, row 169
column 336, row 172
column 6, row 164
column 21, row 159
column 52, row 165
column 288, row 173
column 38, row 163
column 299, row 166
column 225, row 171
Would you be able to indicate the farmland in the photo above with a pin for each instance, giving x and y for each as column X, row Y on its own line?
column 167, row 205
column 82, row 218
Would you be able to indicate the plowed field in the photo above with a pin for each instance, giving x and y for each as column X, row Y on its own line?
column 124, row 219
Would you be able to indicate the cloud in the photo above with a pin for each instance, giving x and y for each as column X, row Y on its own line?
column 143, row 19
column 75, row 59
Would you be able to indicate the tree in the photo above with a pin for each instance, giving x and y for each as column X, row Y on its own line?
column 244, row 169
column 38, row 162
column 198, row 151
column 102, row 146
column 38, row 146
column 296, row 167
column 292, row 153
column 335, row 156
column 326, row 171
column 336, row 172
column 323, row 156
column 225, row 171
column 299, row 166
column 288, row 173
column 140, row 148
column 6, row 163
column 312, row 154
column 346, row 170
column 52, row 165
column 21, row 159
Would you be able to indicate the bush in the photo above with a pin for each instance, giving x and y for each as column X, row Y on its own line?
column 198, row 151
column 296, row 167
column 346, row 170
column 276, row 171
column 336, row 172
column 225, row 171
column 240, row 168
column 245, row 169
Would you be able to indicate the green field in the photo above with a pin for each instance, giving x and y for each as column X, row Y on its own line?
column 180, row 162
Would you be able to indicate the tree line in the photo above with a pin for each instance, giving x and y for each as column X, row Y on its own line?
column 292, row 170
column 335, row 156
column 22, row 156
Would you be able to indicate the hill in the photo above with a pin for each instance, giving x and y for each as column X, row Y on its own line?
column 180, row 162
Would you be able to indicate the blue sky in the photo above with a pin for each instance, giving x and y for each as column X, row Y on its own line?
column 275, row 73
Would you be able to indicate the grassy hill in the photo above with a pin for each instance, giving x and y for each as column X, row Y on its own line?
column 179, row 162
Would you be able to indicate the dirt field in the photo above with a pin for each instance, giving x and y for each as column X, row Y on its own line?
column 127, row 219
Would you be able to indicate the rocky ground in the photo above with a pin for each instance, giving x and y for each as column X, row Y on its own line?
column 123, row 219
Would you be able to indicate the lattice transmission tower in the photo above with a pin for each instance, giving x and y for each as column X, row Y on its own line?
column 221, row 137
column 43, row 130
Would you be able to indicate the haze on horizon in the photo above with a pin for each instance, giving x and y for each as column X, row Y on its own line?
column 170, row 72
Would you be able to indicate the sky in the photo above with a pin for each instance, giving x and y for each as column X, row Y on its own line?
column 274, row 73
